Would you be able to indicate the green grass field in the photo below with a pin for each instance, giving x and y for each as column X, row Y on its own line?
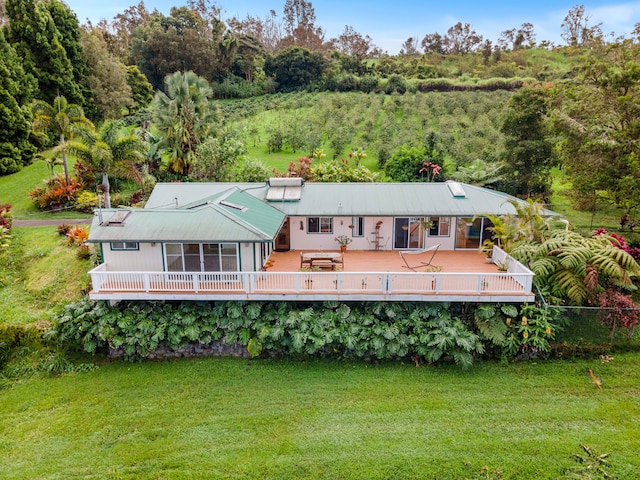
column 14, row 190
column 234, row 418
column 37, row 273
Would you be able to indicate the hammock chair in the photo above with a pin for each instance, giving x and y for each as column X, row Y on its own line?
column 433, row 249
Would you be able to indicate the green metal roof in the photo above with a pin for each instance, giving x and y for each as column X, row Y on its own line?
column 229, row 216
column 354, row 199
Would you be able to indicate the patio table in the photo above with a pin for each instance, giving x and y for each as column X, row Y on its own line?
column 320, row 259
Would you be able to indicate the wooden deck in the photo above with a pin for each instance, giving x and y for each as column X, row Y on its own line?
column 365, row 276
column 462, row 261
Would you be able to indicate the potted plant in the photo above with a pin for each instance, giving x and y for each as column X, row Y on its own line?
column 487, row 249
column 343, row 241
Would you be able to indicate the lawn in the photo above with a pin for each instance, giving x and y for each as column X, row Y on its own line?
column 234, row 418
column 37, row 273
column 15, row 187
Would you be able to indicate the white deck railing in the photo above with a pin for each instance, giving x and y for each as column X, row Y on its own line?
column 321, row 283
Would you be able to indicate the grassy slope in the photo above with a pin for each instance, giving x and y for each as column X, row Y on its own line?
column 14, row 190
column 233, row 418
column 37, row 272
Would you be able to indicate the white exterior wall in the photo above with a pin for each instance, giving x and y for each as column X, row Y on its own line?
column 249, row 262
column 446, row 243
column 148, row 258
column 301, row 240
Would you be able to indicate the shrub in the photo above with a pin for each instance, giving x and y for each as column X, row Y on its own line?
column 86, row 201
column 618, row 311
column 55, row 194
column 63, row 229
column 6, row 219
column 76, row 236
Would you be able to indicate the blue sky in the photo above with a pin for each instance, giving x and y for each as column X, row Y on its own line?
column 389, row 24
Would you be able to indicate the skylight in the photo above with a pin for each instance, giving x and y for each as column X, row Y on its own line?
column 118, row 218
column 456, row 189
column 234, row 205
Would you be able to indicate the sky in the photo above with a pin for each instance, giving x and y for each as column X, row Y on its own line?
column 389, row 24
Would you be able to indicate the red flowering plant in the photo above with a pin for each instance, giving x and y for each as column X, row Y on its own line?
column 620, row 242
column 618, row 311
column 430, row 171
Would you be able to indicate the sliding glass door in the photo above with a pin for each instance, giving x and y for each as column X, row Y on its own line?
column 408, row 233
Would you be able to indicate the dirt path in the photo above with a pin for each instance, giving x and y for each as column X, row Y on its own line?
column 46, row 223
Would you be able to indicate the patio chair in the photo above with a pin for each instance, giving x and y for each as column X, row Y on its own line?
column 433, row 249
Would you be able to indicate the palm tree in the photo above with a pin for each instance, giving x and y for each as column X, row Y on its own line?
column 110, row 150
column 62, row 119
column 183, row 117
column 479, row 173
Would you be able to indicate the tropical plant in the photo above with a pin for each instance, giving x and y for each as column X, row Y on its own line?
column 183, row 117
column 55, row 193
column 479, row 173
column 618, row 310
column 110, row 150
column 528, row 222
column 61, row 119
column 575, row 268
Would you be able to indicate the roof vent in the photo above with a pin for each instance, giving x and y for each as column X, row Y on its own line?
column 456, row 189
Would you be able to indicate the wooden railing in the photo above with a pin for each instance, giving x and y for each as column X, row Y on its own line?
column 315, row 283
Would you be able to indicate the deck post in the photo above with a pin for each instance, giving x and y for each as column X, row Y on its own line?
column 147, row 282
column 196, row 282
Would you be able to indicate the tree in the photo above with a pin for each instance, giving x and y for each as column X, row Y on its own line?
column 433, row 43
column 37, row 41
column 528, row 154
column 406, row 163
column 299, row 26
column 183, row 41
column 295, row 67
column 120, row 33
column 461, row 39
column 70, row 37
column 107, row 77
column 183, row 116
column 216, row 156
column 352, row 43
column 62, row 120
column 513, row 39
column 410, row 47
column 110, row 150
column 576, row 30
column 479, row 173
column 15, row 88
column 268, row 32
column 598, row 120
column 141, row 89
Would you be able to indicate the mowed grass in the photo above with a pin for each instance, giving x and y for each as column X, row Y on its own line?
column 37, row 273
column 14, row 189
column 235, row 418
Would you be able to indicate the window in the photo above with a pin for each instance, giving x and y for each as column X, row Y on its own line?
column 320, row 225
column 357, row 229
column 198, row 257
column 124, row 246
column 439, row 226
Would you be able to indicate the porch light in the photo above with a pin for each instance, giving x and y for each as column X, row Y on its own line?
column 301, row 225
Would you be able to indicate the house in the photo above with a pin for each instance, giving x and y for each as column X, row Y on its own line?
column 220, row 241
